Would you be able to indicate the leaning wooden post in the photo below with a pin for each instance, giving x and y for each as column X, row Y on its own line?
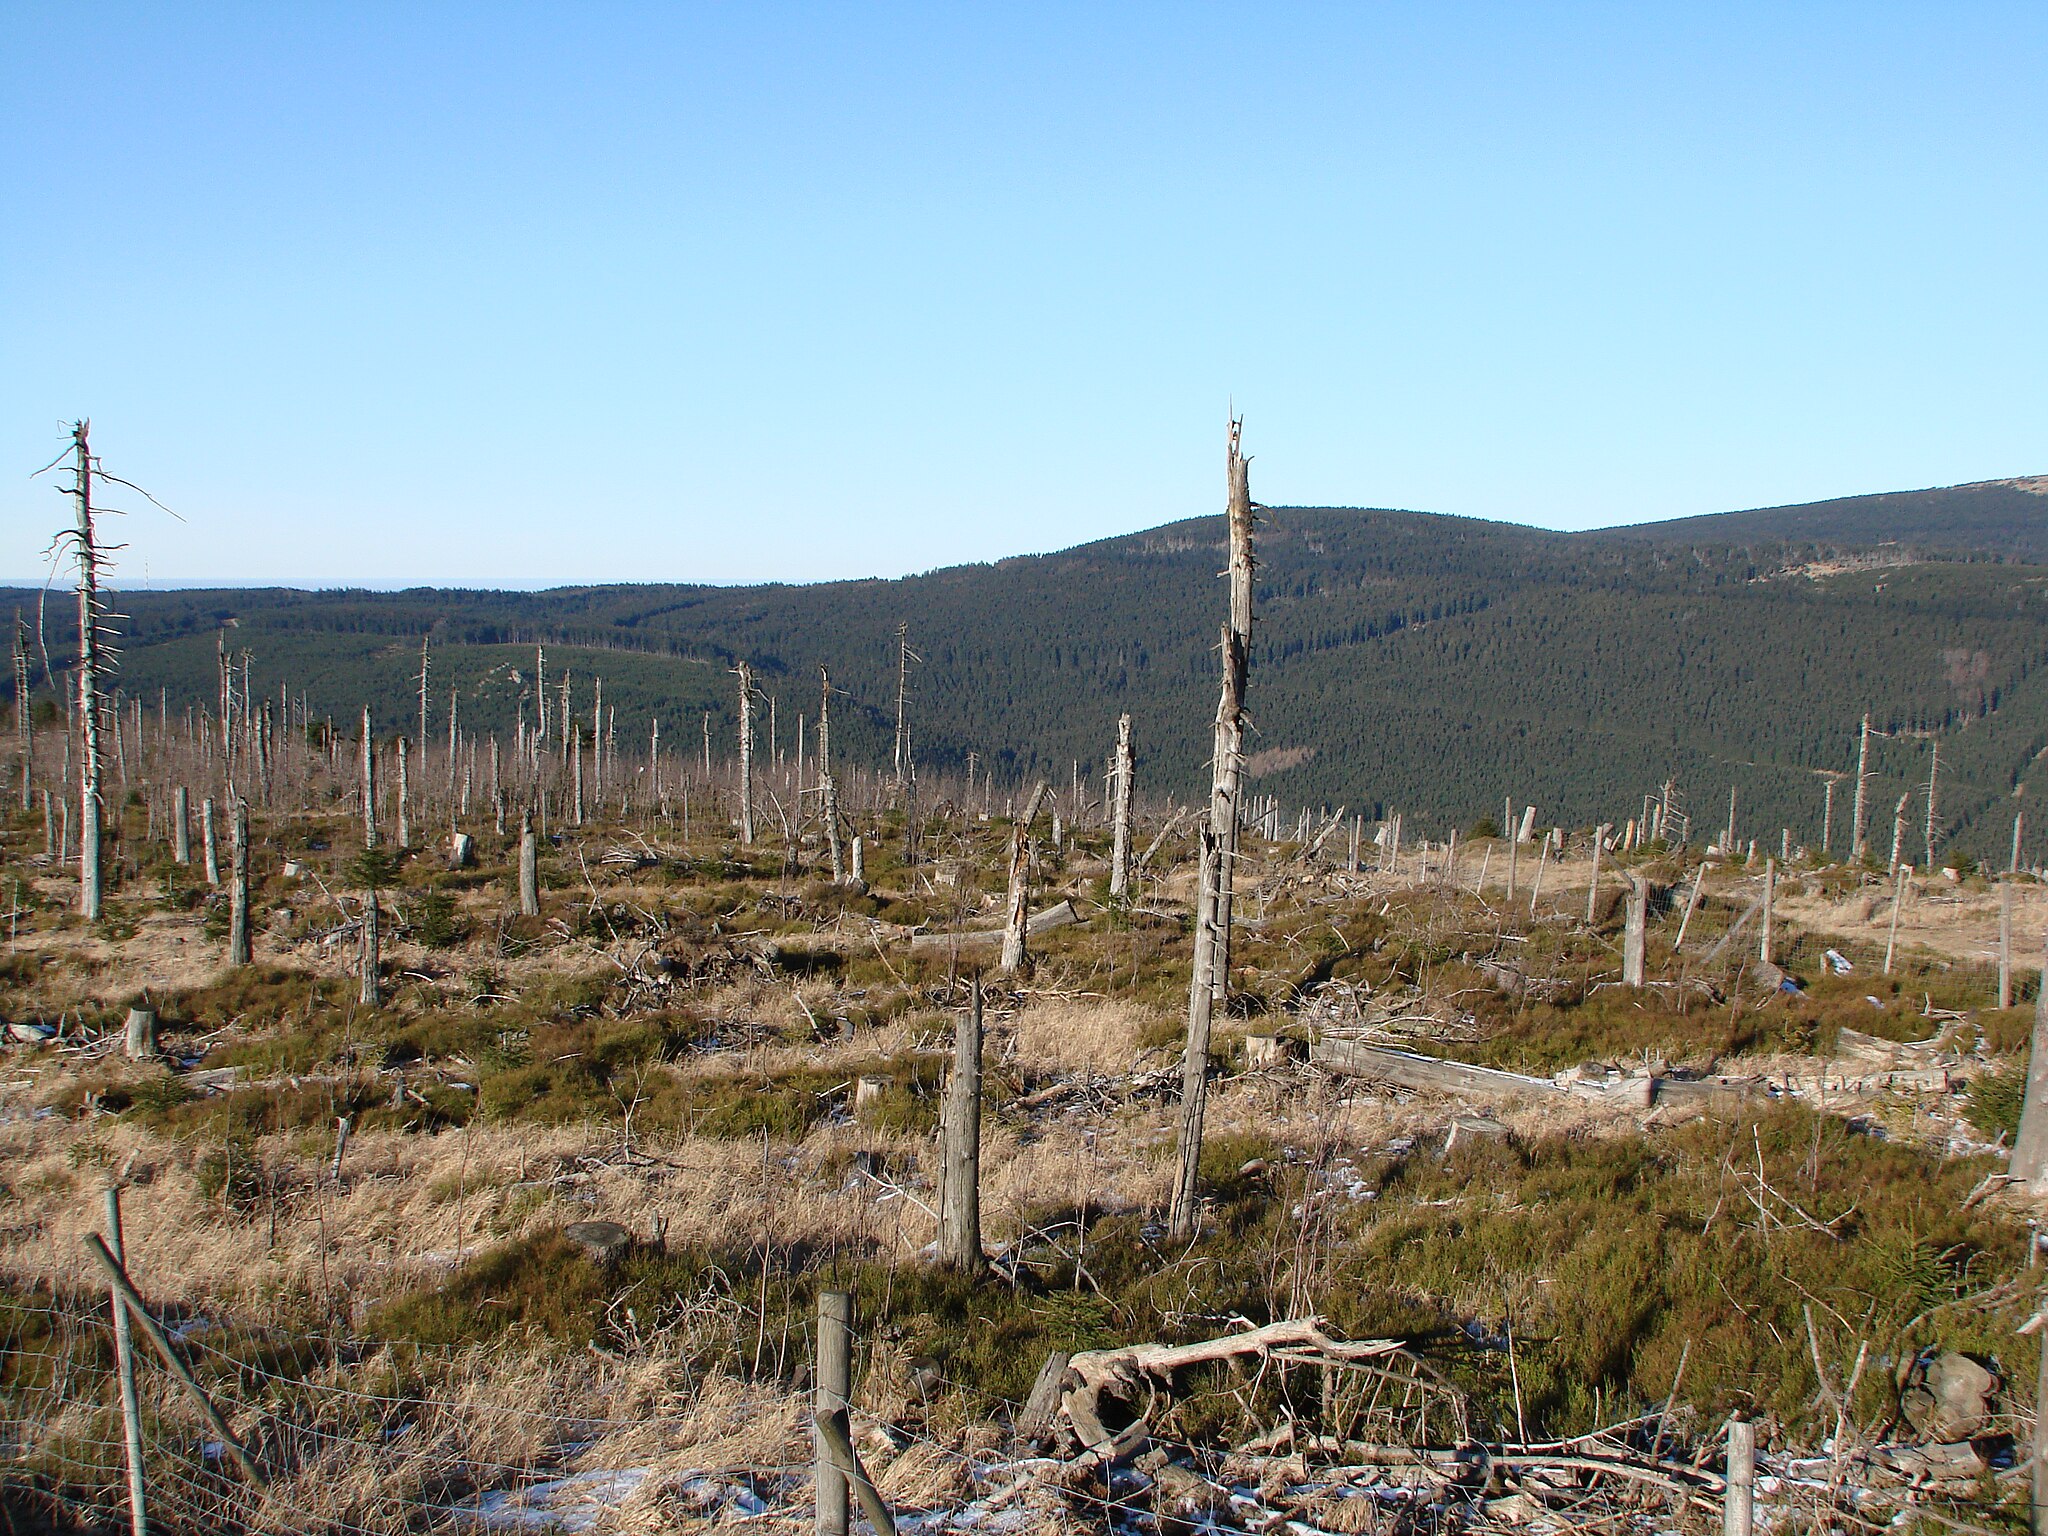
column 1635, row 938
column 1891, row 940
column 960, row 1207
column 529, row 868
column 2030, row 1147
column 1770, row 892
column 124, row 1288
column 835, row 1385
column 1536, row 887
column 124, row 1355
column 181, row 825
column 238, row 884
column 1120, row 812
column 836, row 1430
column 1593, row 881
column 2005, row 944
column 1738, row 1499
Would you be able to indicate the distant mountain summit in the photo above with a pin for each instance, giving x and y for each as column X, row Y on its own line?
column 2005, row 518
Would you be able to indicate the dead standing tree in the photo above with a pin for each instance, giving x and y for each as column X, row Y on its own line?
column 746, row 677
column 1120, row 812
column 82, row 541
column 1211, row 971
column 828, row 789
column 1017, row 909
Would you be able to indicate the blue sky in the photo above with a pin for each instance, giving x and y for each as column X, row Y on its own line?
column 732, row 292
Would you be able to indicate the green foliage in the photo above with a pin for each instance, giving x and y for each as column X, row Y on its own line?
column 434, row 922
column 1996, row 1099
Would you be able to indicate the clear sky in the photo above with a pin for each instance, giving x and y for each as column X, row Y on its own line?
column 731, row 292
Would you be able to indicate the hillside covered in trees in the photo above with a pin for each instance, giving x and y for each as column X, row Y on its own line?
column 1404, row 661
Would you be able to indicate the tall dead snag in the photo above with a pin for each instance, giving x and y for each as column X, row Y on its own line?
column 404, row 794
column 1227, row 767
column 1859, row 823
column 960, row 1140
column 2030, row 1148
column 1017, row 909
column 24, row 722
column 369, row 783
column 238, row 884
column 746, row 675
column 1120, row 812
column 181, row 825
column 85, row 548
column 1210, row 981
column 828, row 790
column 209, row 847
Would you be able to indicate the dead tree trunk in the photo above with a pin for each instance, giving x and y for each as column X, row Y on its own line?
column 576, row 775
column 181, row 825
column 1211, row 973
column 371, row 994
column 209, row 846
column 1194, row 1065
column 1763, row 949
column 2030, row 1148
column 404, row 794
column 1016, row 958
column 746, row 755
column 1859, row 816
column 1227, row 766
column 529, row 869
column 1120, row 812
column 238, row 883
column 90, row 900
column 1635, row 937
column 1593, row 881
column 369, row 783
column 2005, row 944
column 828, row 788
column 24, row 713
column 960, row 1201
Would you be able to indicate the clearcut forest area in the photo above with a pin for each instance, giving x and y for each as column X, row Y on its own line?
column 507, row 1061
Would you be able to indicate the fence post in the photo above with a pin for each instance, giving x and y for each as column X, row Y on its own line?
column 835, row 1382
column 1737, row 1503
column 124, row 1354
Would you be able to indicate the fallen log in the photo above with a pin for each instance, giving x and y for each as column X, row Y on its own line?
column 1060, row 915
column 1436, row 1074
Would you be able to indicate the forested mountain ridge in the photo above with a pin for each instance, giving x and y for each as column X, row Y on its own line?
column 1403, row 660
column 1997, row 517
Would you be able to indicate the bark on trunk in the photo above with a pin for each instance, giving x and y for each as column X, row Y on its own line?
column 529, row 872
column 238, row 884
column 960, row 1206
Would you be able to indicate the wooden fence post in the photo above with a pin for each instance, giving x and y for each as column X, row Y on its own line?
column 834, row 1383
column 124, row 1354
column 124, row 1288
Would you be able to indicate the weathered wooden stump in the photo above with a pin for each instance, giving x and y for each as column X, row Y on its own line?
column 602, row 1242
